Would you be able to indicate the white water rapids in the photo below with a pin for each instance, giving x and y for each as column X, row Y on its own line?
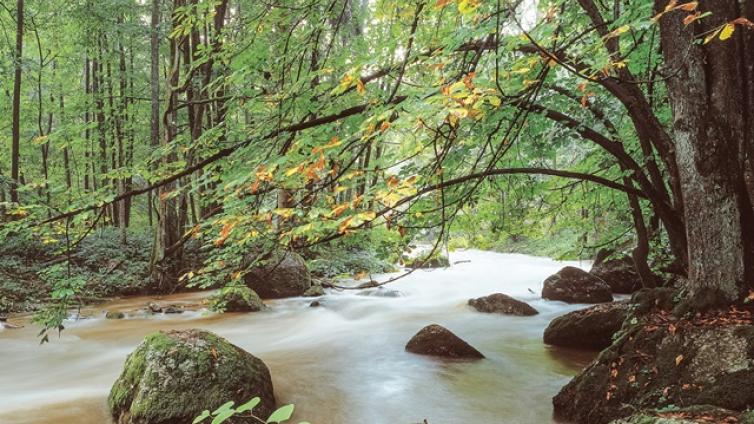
column 341, row 363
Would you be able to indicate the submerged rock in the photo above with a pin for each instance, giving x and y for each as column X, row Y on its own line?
column 574, row 285
column 663, row 362
column 436, row 340
column 154, row 308
column 380, row 292
column 590, row 328
column 114, row 315
column 173, row 376
column 236, row 299
column 173, row 309
column 315, row 304
column 283, row 275
column 314, row 291
column 502, row 304
column 620, row 274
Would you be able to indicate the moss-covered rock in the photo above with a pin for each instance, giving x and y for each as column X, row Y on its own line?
column 173, row 376
column 590, row 328
column 283, row 275
column 236, row 299
column 574, row 285
column 662, row 361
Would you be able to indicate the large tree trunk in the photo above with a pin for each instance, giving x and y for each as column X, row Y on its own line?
column 711, row 118
column 16, row 126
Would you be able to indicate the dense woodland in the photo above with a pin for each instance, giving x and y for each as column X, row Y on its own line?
column 195, row 138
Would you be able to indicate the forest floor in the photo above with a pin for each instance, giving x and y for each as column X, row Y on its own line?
column 31, row 271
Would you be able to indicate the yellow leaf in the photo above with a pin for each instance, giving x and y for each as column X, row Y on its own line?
column 727, row 31
column 467, row 6
column 284, row 212
column 678, row 360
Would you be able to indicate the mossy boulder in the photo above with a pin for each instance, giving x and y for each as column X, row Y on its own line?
column 661, row 362
column 499, row 303
column 574, row 285
column 236, row 299
column 282, row 275
column 620, row 274
column 173, row 376
column 590, row 328
column 436, row 340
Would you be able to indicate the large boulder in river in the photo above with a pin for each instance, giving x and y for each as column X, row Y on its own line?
column 173, row 376
column 236, row 299
column 436, row 340
column 574, row 285
column 620, row 274
column 662, row 362
column 590, row 328
column 502, row 304
column 282, row 275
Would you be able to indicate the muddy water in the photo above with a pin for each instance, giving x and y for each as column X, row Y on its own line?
column 341, row 363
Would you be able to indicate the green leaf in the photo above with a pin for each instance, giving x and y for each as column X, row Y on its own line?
column 221, row 417
column 225, row 407
column 203, row 416
column 248, row 406
column 281, row 415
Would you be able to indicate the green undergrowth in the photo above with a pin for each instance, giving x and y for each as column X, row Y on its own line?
column 33, row 272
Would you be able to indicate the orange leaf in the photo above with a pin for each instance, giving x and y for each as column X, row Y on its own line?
column 690, row 6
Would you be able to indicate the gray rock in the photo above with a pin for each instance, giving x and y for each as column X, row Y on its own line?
column 619, row 274
column 283, row 275
column 436, row 340
column 502, row 304
column 574, row 285
column 590, row 328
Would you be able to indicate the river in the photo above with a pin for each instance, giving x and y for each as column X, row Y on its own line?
column 340, row 363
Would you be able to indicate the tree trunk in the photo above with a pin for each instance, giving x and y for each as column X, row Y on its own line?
column 16, row 125
column 711, row 117
column 154, row 82
column 166, row 267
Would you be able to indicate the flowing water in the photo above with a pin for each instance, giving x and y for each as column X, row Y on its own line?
column 341, row 363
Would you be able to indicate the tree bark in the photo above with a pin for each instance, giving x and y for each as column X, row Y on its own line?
column 16, row 125
column 710, row 120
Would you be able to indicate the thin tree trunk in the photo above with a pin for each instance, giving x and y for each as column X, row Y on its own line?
column 155, row 88
column 16, row 125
